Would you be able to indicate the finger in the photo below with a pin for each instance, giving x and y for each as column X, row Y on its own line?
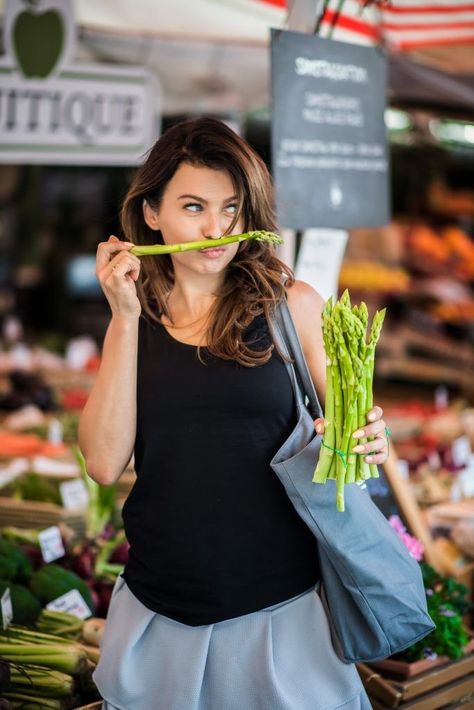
column 377, row 458
column 106, row 250
column 319, row 425
column 124, row 265
column 370, row 429
column 378, row 444
column 374, row 414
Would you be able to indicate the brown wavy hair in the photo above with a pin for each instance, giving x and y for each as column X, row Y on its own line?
column 254, row 280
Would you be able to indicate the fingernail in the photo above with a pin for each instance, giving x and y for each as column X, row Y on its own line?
column 369, row 459
column 358, row 449
column 358, row 434
column 319, row 428
column 372, row 417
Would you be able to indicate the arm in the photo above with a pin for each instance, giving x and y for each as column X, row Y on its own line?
column 306, row 306
column 108, row 421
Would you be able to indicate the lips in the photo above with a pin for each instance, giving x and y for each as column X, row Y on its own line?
column 212, row 251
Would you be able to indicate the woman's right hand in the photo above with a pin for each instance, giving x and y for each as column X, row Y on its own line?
column 117, row 271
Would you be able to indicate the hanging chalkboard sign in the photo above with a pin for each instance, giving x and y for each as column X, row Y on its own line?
column 329, row 147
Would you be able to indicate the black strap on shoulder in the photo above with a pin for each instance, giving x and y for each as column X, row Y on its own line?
column 293, row 345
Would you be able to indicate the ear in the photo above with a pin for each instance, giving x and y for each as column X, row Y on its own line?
column 150, row 216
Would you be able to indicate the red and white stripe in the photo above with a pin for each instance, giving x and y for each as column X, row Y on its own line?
column 409, row 24
column 403, row 24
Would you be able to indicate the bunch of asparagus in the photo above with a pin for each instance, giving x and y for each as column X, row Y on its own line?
column 349, row 380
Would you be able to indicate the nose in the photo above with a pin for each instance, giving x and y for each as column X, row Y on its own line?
column 212, row 228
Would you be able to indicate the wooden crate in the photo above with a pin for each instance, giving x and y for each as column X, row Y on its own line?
column 33, row 514
column 429, row 690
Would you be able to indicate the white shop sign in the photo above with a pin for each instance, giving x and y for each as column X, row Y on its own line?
column 320, row 258
column 56, row 112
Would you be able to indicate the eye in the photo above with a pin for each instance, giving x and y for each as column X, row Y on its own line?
column 193, row 207
column 231, row 209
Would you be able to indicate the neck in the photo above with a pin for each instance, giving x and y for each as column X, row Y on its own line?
column 193, row 295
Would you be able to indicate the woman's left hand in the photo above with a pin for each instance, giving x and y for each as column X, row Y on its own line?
column 377, row 449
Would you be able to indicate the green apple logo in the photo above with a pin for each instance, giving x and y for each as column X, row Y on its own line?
column 38, row 41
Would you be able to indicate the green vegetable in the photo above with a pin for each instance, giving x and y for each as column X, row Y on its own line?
column 52, row 581
column 14, row 564
column 33, row 486
column 26, row 608
column 447, row 601
column 349, row 380
column 43, row 682
column 26, row 701
column 20, row 634
column 28, row 536
column 102, row 500
column 103, row 569
column 157, row 249
column 61, row 657
column 60, row 623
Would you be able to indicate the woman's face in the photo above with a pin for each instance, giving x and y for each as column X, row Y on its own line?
column 199, row 203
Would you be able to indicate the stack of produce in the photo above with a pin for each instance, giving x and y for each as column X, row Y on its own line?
column 51, row 663
column 373, row 276
column 449, row 249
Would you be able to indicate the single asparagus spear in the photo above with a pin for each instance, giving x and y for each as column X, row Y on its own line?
column 375, row 329
column 158, row 249
column 326, row 455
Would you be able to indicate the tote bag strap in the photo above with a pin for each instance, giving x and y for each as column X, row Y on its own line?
column 285, row 329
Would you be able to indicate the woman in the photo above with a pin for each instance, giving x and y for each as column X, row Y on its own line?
column 217, row 608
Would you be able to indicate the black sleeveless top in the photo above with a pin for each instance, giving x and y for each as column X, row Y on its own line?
column 213, row 534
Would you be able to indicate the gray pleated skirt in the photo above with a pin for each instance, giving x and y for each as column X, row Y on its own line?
column 279, row 658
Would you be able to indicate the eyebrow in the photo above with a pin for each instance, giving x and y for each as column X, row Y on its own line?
column 201, row 199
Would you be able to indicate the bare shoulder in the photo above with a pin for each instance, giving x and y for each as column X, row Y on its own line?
column 304, row 302
column 306, row 306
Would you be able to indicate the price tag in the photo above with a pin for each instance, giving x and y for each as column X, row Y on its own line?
column 55, row 432
column 74, row 493
column 51, row 544
column 7, row 609
column 71, row 602
column 461, row 449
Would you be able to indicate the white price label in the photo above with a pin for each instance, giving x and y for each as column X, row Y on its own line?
column 73, row 603
column 461, row 448
column 7, row 609
column 74, row 493
column 51, row 544
column 55, row 432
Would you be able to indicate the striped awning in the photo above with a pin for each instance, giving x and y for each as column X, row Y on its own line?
column 400, row 25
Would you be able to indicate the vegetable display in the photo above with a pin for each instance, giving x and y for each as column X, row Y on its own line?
column 448, row 601
column 14, row 564
column 52, row 581
column 26, row 607
column 350, row 351
column 158, row 249
column 47, row 670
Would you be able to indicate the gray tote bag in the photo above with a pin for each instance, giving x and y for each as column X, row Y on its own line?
column 371, row 587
